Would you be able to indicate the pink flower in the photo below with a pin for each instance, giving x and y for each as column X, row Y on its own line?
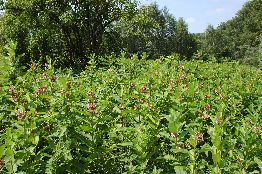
column 91, row 107
column 199, row 137
column 45, row 76
column 174, row 135
column 183, row 77
column 11, row 89
column 20, row 115
column 142, row 100
column 16, row 95
column 41, row 90
column 218, row 121
column 89, row 94
column 207, row 107
column 143, row 89
column 205, row 117
column 53, row 78
column 2, row 164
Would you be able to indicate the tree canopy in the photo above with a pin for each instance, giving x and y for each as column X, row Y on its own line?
column 239, row 38
column 70, row 31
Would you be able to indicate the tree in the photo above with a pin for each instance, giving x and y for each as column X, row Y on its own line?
column 239, row 37
column 149, row 31
column 155, row 31
column 68, row 30
column 184, row 42
column 216, row 43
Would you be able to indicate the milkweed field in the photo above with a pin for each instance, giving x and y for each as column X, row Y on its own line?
column 134, row 116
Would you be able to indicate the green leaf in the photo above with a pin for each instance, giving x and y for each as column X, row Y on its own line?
column 169, row 157
column 216, row 155
column 2, row 150
column 117, row 110
column 125, row 144
column 259, row 162
column 180, row 170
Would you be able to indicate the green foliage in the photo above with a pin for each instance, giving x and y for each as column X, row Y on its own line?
column 215, row 43
column 184, row 43
column 253, row 56
column 155, row 31
column 68, row 31
column 138, row 116
column 239, row 38
column 10, row 62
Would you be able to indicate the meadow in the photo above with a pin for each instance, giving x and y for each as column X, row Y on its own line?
column 132, row 116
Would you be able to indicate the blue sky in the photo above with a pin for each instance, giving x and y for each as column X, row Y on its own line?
column 199, row 13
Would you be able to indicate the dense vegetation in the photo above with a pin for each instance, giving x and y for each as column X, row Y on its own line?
column 112, row 87
column 239, row 38
column 138, row 116
column 70, row 31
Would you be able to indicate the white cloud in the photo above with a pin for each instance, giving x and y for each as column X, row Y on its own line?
column 219, row 10
column 191, row 20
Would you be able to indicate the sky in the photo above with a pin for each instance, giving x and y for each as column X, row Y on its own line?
column 200, row 13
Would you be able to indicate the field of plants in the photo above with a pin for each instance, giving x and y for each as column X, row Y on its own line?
column 134, row 116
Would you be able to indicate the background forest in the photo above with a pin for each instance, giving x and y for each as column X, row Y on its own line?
column 69, row 31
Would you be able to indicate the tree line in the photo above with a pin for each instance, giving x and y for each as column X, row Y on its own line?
column 239, row 38
column 69, row 31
